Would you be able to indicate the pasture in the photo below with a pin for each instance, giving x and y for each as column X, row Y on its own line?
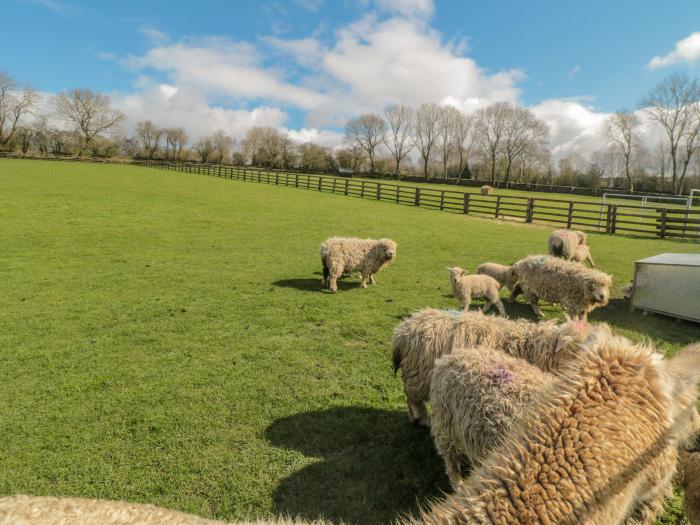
column 164, row 339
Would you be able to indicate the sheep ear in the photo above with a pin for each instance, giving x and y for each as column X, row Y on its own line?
column 684, row 368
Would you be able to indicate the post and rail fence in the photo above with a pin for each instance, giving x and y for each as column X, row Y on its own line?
column 649, row 221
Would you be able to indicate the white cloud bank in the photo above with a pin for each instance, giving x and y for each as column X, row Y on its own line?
column 686, row 50
column 362, row 66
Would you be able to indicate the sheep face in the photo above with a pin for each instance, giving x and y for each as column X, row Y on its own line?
column 599, row 290
column 387, row 249
column 456, row 273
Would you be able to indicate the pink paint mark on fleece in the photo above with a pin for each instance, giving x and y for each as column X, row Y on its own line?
column 581, row 325
column 501, row 376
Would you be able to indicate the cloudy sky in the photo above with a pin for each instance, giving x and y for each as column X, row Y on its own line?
column 307, row 65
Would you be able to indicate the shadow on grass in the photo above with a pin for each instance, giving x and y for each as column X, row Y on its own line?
column 312, row 285
column 617, row 313
column 374, row 465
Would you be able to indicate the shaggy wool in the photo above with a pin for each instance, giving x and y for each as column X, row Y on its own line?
column 476, row 394
column 579, row 290
column 341, row 255
column 44, row 510
column 599, row 444
column 468, row 287
column 427, row 335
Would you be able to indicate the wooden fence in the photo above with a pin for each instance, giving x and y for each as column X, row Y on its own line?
column 647, row 221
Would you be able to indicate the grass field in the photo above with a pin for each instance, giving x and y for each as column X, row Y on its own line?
column 163, row 339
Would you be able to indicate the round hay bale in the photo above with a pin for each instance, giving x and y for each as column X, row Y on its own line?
column 486, row 190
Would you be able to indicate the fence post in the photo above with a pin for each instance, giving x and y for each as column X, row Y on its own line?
column 614, row 218
column 362, row 190
column 465, row 204
column 397, row 194
column 346, row 186
column 610, row 218
column 320, row 182
column 498, row 205
column 442, row 200
column 379, row 192
column 417, row 196
column 530, row 209
column 334, row 181
column 296, row 180
column 570, row 216
column 662, row 231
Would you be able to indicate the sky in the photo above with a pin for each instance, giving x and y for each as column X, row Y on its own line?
column 307, row 66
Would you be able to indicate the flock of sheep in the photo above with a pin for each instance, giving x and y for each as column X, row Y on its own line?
column 558, row 423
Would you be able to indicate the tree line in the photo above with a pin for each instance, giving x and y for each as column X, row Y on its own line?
column 501, row 142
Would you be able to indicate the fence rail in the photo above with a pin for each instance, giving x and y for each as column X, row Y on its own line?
column 613, row 218
column 651, row 221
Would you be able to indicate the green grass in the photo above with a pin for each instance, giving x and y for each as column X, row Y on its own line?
column 163, row 339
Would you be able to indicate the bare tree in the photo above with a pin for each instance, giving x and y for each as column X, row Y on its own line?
column 367, row 132
column 90, row 113
column 447, row 124
column 523, row 131
column 175, row 140
column 204, row 148
column 400, row 119
column 621, row 128
column 425, row 132
column 251, row 144
column 222, row 146
column 672, row 104
column 491, row 123
column 464, row 142
column 149, row 136
column 14, row 106
column 287, row 151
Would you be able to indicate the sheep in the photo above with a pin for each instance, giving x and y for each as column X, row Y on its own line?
column 45, row 510
column 428, row 334
column 486, row 189
column 341, row 255
column 475, row 395
column 583, row 253
column 467, row 287
column 504, row 275
column 563, row 243
column 597, row 444
column 578, row 289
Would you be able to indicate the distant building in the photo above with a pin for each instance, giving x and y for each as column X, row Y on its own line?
column 345, row 172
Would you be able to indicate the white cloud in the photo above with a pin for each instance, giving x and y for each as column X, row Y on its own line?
column 156, row 36
column 310, row 5
column 686, row 50
column 219, row 66
column 573, row 71
column 418, row 8
column 187, row 107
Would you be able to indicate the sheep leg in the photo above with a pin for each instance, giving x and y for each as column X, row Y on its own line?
column 514, row 293
column 453, row 466
column 364, row 280
column 417, row 413
column 487, row 305
column 536, row 308
column 371, row 279
column 501, row 309
column 326, row 273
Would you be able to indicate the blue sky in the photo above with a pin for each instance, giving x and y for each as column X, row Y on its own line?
column 310, row 64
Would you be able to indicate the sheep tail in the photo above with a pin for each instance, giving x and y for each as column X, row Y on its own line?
column 396, row 357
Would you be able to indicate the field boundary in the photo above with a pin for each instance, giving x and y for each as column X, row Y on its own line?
column 654, row 221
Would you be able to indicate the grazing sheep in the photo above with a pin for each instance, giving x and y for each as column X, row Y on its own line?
column 563, row 243
column 597, row 444
column 504, row 275
column 583, row 253
column 428, row 334
column 578, row 289
column 341, row 255
column 467, row 287
column 486, row 189
column 44, row 510
column 475, row 395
